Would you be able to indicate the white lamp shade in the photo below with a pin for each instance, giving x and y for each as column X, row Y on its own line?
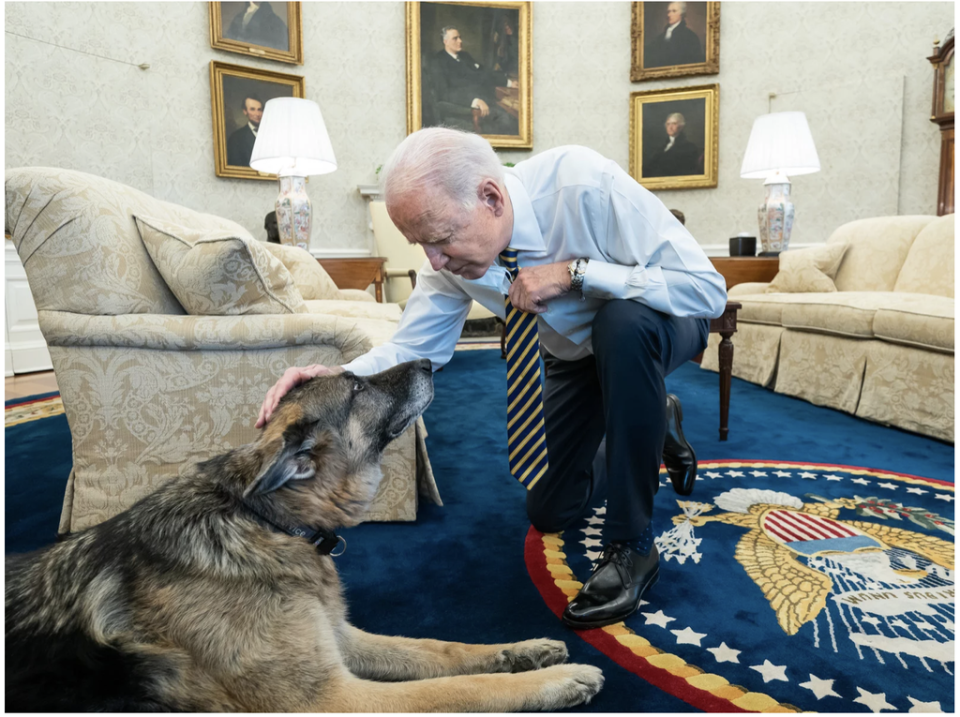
column 779, row 142
column 292, row 139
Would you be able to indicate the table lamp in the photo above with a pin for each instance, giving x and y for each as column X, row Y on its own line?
column 293, row 143
column 780, row 145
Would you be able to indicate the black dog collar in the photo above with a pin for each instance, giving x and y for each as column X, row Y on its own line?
column 324, row 540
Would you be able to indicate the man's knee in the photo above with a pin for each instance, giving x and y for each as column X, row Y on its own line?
column 622, row 322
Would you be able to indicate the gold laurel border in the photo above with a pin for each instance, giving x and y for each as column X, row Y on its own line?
column 717, row 685
column 15, row 415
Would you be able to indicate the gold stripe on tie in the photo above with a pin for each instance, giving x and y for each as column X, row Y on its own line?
column 526, row 431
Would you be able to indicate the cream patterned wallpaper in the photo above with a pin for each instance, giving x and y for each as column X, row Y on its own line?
column 76, row 98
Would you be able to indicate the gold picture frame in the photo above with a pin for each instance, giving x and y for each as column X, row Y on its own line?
column 693, row 162
column 497, row 38
column 693, row 49
column 233, row 91
column 267, row 34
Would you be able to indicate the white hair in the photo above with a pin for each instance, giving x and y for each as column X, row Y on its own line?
column 440, row 159
column 683, row 7
column 679, row 117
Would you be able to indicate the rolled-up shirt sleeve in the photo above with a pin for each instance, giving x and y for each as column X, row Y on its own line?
column 429, row 326
column 648, row 255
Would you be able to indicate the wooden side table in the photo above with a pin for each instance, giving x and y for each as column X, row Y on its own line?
column 742, row 269
column 357, row 273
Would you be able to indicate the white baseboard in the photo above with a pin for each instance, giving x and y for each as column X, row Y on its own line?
column 724, row 249
column 343, row 253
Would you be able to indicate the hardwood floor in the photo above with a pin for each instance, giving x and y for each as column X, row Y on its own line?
column 29, row 384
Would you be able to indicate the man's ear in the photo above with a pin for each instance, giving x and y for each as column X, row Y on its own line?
column 491, row 195
column 292, row 458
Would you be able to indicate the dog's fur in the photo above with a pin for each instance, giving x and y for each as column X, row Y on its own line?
column 188, row 601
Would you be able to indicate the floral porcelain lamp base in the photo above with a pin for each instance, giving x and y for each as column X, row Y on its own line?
column 294, row 212
column 776, row 216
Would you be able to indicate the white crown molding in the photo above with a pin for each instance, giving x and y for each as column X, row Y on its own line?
column 339, row 253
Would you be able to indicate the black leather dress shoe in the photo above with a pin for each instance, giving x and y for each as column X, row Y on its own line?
column 615, row 589
column 678, row 455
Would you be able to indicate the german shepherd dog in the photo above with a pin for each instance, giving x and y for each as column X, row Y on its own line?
column 217, row 592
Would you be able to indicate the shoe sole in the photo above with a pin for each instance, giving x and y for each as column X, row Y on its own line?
column 578, row 625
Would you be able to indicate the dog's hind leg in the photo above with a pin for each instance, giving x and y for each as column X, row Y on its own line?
column 384, row 658
column 551, row 688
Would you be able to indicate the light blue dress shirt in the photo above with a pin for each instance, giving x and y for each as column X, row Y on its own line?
column 568, row 203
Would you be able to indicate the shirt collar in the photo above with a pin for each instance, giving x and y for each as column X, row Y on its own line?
column 451, row 55
column 526, row 231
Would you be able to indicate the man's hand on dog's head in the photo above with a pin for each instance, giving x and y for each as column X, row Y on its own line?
column 291, row 378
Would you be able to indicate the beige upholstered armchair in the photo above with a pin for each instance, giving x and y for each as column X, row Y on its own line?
column 161, row 365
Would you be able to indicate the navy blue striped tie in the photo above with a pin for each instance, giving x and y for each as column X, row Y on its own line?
column 526, row 432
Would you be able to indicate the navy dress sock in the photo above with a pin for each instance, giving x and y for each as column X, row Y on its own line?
column 643, row 543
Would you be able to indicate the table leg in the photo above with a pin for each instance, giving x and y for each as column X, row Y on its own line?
column 726, row 372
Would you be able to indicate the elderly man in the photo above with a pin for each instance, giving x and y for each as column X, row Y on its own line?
column 240, row 142
column 617, row 292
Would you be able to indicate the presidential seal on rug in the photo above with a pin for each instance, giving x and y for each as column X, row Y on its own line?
column 218, row 592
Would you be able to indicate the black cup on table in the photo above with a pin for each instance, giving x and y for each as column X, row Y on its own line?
column 743, row 246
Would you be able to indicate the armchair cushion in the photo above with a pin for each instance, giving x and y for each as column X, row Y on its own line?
column 808, row 270
column 219, row 273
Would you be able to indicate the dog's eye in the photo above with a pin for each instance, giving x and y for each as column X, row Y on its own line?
column 357, row 387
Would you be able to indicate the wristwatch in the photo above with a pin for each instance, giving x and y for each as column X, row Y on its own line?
column 577, row 269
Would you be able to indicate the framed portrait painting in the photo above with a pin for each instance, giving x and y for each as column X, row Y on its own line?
column 269, row 30
column 238, row 95
column 674, row 39
column 469, row 67
column 674, row 137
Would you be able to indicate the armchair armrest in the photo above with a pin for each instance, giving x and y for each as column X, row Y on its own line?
column 749, row 287
column 397, row 273
column 167, row 332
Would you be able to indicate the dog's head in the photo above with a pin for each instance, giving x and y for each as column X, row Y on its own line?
column 321, row 450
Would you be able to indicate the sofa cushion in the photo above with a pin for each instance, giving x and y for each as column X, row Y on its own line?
column 928, row 268
column 219, row 273
column 311, row 280
column 768, row 308
column 356, row 309
column 921, row 320
column 808, row 270
column 877, row 250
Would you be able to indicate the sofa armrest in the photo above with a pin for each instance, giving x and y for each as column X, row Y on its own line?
column 749, row 287
column 168, row 332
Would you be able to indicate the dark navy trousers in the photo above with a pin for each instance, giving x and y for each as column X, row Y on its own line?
column 617, row 393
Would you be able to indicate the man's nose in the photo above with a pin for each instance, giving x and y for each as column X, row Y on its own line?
column 436, row 257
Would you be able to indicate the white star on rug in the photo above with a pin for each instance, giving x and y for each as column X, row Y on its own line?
column 601, row 511
column 875, row 702
column 657, row 618
column 594, row 520
column 872, row 620
column 946, row 497
column 758, row 474
column 808, row 476
column 591, row 531
column 833, row 477
column 918, row 491
column 713, row 474
column 771, row 671
column 782, row 474
column 735, row 474
column 724, row 653
column 591, row 543
column 686, row 636
column 899, row 623
column 891, row 486
column 821, row 688
column 919, row 706
column 861, row 481
column 592, row 555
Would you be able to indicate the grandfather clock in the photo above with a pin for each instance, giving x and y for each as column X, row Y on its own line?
column 943, row 97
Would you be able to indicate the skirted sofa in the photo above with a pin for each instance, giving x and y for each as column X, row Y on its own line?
column 166, row 327
column 879, row 346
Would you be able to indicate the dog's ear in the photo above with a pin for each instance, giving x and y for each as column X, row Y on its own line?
column 292, row 460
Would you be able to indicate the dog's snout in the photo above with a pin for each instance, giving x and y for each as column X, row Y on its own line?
column 425, row 365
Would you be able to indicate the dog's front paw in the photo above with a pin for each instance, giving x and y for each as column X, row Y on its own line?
column 531, row 655
column 568, row 686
